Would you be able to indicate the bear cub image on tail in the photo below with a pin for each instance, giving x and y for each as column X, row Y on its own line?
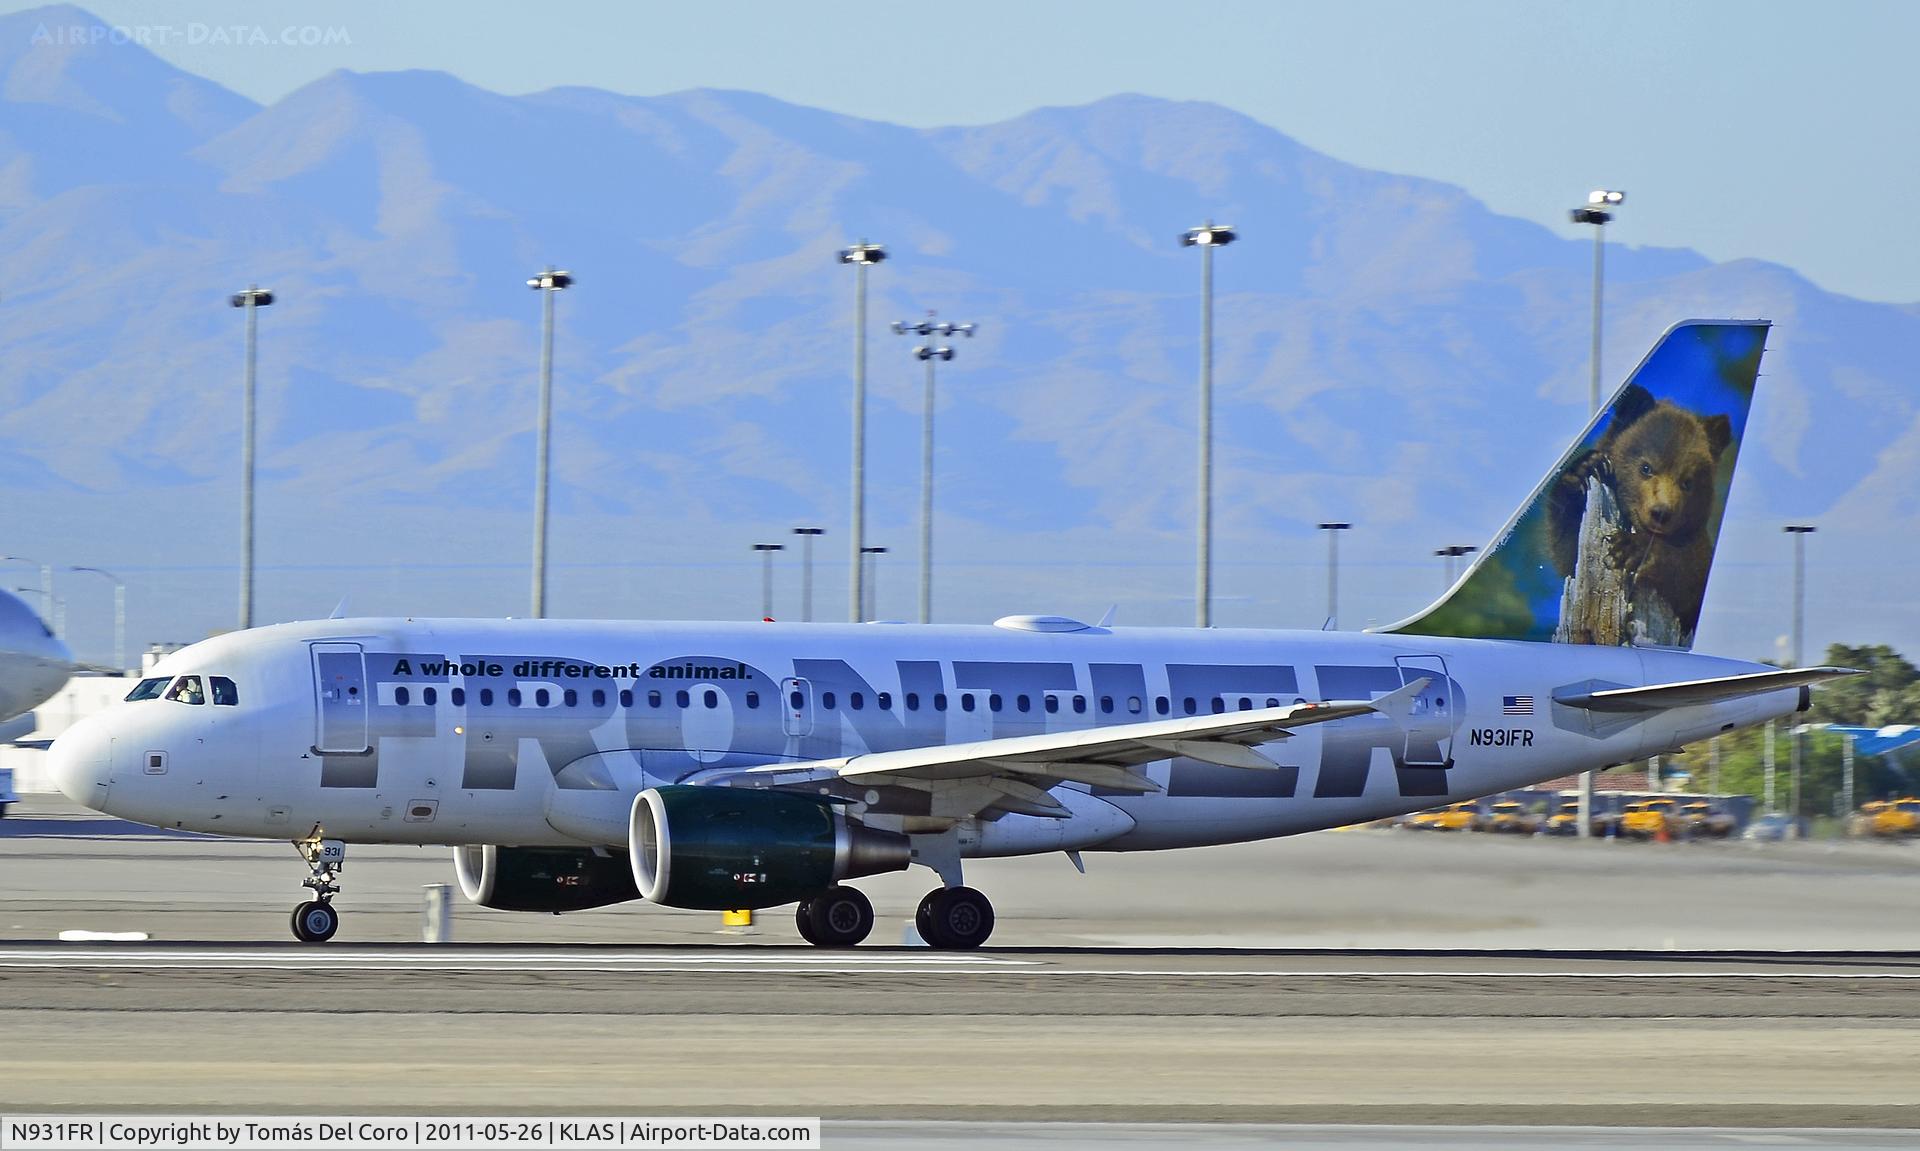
column 1661, row 462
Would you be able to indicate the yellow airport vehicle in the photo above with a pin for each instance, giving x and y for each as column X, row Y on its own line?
column 1452, row 817
column 1650, row 818
column 1510, row 817
column 1889, row 818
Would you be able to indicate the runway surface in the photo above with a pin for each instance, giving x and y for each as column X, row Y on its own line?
column 1457, row 986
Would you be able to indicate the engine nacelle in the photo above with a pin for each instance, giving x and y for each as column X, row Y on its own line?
column 542, row 878
column 720, row 848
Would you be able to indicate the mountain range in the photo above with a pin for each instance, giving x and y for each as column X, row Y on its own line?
column 1388, row 352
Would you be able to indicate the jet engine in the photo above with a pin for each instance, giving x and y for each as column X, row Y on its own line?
column 718, row 848
column 552, row 879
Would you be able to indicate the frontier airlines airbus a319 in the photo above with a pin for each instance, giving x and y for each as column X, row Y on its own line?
column 575, row 764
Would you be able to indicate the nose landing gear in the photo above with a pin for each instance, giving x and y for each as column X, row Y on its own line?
column 315, row 921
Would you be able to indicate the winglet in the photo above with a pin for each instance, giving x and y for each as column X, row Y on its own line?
column 1106, row 620
column 340, row 609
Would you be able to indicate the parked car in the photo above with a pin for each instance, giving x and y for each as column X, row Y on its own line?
column 1702, row 820
column 1508, row 816
column 1452, row 817
column 1769, row 828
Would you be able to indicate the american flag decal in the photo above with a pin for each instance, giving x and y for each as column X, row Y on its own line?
column 1516, row 705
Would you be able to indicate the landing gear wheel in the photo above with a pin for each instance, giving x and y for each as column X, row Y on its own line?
column 839, row 917
column 955, row 919
column 315, row 922
column 803, row 919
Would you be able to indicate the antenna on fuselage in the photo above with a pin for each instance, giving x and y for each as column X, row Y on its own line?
column 1107, row 619
column 340, row 609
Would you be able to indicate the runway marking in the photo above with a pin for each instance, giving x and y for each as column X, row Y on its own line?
column 835, row 964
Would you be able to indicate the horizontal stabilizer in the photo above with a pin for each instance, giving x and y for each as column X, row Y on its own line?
column 1688, row 693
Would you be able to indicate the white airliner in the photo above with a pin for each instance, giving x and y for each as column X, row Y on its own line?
column 579, row 764
column 34, row 664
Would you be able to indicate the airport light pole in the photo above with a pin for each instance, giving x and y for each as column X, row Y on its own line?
column 929, row 353
column 1452, row 552
column 548, row 283
column 1333, row 531
column 251, row 300
column 1206, row 237
column 1596, row 212
column 862, row 256
column 873, row 592
column 766, row 576
column 1799, row 532
column 806, row 570
column 46, row 584
column 119, row 614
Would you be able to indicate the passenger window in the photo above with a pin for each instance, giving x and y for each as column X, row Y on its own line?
column 599, row 697
column 224, row 693
column 1079, row 704
column 626, row 697
column 966, row 701
column 753, row 701
column 147, row 689
column 486, row 697
column 913, row 701
column 542, row 697
column 186, row 689
column 1272, row 702
column 1053, row 704
column 855, row 700
column 712, row 699
column 993, row 701
column 939, row 701
column 884, row 701
column 513, row 697
column 1219, row 705
column 681, row 700
column 459, row 696
column 429, row 696
column 795, row 700
column 1106, row 705
column 1188, row 706
column 1246, row 704
column 1160, row 704
column 570, row 698
column 1021, row 703
column 826, row 700
column 400, row 694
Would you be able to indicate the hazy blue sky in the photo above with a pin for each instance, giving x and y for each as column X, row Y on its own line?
column 1765, row 129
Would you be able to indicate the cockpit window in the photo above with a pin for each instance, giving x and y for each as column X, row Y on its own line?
column 148, row 689
column 224, row 693
column 187, row 689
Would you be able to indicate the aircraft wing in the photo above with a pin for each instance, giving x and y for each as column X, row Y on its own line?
column 1014, row 773
column 1662, row 696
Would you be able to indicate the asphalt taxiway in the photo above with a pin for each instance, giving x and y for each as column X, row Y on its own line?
column 1429, row 981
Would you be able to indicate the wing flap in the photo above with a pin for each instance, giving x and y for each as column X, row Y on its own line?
column 1689, row 693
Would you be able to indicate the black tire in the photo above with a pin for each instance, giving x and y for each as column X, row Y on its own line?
column 315, row 922
column 804, row 921
column 923, row 918
column 841, row 917
column 960, row 917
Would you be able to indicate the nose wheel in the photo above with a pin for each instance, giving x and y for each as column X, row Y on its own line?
column 954, row 919
column 315, row 920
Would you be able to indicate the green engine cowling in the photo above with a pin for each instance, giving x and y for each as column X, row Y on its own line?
column 719, row 848
column 551, row 879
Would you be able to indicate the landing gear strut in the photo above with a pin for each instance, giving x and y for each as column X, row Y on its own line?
column 954, row 919
column 315, row 921
column 838, row 917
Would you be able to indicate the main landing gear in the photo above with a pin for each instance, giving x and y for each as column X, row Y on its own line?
column 315, row 921
column 954, row 919
column 838, row 917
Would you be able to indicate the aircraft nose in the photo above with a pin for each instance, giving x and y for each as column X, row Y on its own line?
column 81, row 761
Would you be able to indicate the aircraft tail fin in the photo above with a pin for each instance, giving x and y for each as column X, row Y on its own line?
column 1615, row 545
